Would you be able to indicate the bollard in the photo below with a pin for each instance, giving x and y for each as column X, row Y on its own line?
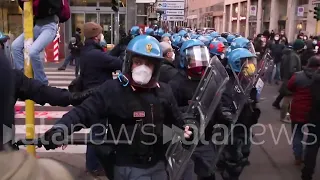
column 28, row 40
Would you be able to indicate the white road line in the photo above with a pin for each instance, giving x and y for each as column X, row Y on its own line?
column 61, row 87
column 42, row 114
column 60, row 77
column 60, row 73
column 22, row 103
column 41, row 129
column 71, row 149
column 58, row 82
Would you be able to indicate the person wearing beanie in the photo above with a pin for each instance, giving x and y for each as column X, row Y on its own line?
column 167, row 69
column 299, row 84
column 290, row 64
column 96, row 66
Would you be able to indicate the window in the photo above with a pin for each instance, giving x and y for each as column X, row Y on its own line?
column 303, row 2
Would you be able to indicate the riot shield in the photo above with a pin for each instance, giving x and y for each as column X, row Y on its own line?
column 265, row 69
column 243, row 84
column 204, row 102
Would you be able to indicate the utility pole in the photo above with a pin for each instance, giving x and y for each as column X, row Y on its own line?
column 115, row 8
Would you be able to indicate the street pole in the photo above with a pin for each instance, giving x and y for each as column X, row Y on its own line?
column 116, row 29
column 317, row 24
column 28, row 40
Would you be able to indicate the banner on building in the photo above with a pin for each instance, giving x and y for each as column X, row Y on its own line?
column 253, row 10
column 300, row 11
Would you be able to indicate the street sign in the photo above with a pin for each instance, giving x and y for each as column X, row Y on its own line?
column 315, row 2
column 145, row 1
column 170, row 5
column 171, row 0
column 173, row 18
column 174, row 12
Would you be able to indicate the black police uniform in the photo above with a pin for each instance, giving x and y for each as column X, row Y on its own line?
column 203, row 157
column 167, row 71
column 235, row 154
column 131, row 109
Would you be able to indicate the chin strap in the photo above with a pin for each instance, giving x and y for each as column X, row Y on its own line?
column 123, row 79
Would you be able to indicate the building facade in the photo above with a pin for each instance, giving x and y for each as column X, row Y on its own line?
column 205, row 14
column 251, row 17
column 82, row 11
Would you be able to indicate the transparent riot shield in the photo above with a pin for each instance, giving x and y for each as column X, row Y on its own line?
column 204, row 102
column 265, row 69
column 242, row 86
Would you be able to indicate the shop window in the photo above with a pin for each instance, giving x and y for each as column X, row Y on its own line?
column 243, row 9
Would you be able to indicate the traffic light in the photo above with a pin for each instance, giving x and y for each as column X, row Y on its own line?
column 316, row 13
column 115, row 5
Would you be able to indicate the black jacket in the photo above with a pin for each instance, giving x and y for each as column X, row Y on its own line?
column 314, row 113
column 118, row 104
column 45, row 8
column 276, row 51
column 96, row 66
column 308, row 53
column 26, row 88
column 6, row 98
column 167, row 71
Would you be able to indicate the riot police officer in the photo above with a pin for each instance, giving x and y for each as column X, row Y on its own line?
column 241, row 66
column 137, row 102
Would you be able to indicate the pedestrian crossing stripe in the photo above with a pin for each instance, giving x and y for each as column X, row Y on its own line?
column 59, row 82
column 23, row 104
column 60, row 73
column 60, row 87
column 42, row 114
column 61, row 77
column 41, row 129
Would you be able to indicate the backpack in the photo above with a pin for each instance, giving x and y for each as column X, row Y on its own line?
column 64, row 14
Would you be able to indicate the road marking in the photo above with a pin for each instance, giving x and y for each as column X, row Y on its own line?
column 41, row 129
column 61, row 77
column 60, row 73
column 42, row 114
column 60, row 87
column 23, row 104
column 59, row 82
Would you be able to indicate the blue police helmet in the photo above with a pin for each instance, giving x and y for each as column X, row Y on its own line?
column 216, row 47
column 145, row 45
column 183, row 33
column 235, row 56
column 223, row 40
column 178, row 41
column 194, row 36
column 159, row 32
column 166, row 35
column 240, row 42
column 230, row 38
column 205, row 40
column 186, row 45
column 214, row 34
column 209, row 37
column 135, row 31
column 150, row 32
column 3, row 38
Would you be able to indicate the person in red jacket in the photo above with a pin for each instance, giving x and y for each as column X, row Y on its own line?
column 299, row 84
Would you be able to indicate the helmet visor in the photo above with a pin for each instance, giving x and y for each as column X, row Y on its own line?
column 247, row 73
column 197, row 56
column 251, row 48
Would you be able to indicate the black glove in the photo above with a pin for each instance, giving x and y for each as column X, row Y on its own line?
column 191, row 120
column 53, row 138
column 77, row 98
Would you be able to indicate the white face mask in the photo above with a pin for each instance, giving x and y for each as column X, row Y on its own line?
column 276, row 38
column 102, row 38
column 222, row 56
column 173, row 56
column 169, row 42
column 141, row 74
column 314, row 42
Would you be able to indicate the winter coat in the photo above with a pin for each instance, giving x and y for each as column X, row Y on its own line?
column 299, row 84
column 289, row 65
